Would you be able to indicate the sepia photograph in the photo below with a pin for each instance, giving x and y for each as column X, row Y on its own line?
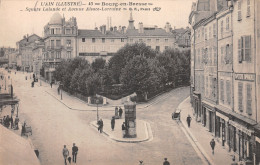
column 129, row 82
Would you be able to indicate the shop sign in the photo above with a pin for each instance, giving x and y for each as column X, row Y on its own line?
column 222, row 116
column 241, row 128
column 244, row 77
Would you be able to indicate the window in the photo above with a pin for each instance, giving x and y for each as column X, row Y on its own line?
column 227, row 55
column 52, row 55
column 52, row 31
column 239, row 12
column 221, row 27
column 93, row 40
column 210, row 33
column 157, row 40
column 214, row 30
column 227, row 23
column 58, row 55
column 240, row 97
column 205, row 58
column 157, row 48
column 248, row 13
column 58, row 31
column 58, row 43
column 148, row 40
column 222, row 91
column 210, row 56
column 249, row 99
column 68, row 31
column 52, row 43
column 215, row 56
column 83, row 39
column 166, row 39
column 68, row 43
column 228, row 90
column 222, row 54
column 103, row 40
column 206, row 86
column 68, row 54
column 244, row 49
column 122, row 40
column 206, row 34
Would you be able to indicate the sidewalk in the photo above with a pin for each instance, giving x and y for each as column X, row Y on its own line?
column 143, row 131
column 201, row 137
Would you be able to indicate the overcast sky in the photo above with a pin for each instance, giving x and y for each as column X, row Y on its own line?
column 15, row 21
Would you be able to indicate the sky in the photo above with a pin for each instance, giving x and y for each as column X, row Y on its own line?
column 16, row 21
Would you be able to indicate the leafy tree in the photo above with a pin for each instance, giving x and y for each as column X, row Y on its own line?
column 98, row 64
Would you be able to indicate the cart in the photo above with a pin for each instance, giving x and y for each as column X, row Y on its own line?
column 26, row 130
column 176, row 115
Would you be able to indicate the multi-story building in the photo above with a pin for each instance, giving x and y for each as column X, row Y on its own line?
column 225, row 73
column 182, row 38
column 25, row 47
column 60, row 38
column 38, row 55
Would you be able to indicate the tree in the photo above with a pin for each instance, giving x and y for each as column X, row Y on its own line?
column 98, row 64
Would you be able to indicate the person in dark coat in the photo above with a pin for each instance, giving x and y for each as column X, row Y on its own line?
column 100, row 125
column 212, row 144
column 166, row 162
column 7, row 121
column 12, row 122
column 74, row 153
column 113, row 123
column 16, row 121
column 188, row 120
column 120, row 112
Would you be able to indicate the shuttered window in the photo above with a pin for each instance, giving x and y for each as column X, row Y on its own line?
column 239, row 12
column 240, row 97
column 239, row 51
column 247, row 48
column 206, row 86
column 222, row 91
column 248, row 12
column 214, row 30
column 222, row 55
column 249, row 99
column 215, row 56
column 228, row 90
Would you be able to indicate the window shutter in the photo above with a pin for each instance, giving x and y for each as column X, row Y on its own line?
column 239, row 51
column 239, row 15
column 222, row 91
column 249, row 99
column 248, row 9
column 247, row 48
column 240, row 97
column 228, row 90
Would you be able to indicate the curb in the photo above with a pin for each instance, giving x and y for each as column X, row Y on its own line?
column 147, row 138
column 194, row 140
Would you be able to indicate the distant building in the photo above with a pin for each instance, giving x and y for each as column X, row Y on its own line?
column 37, row 56
column 60, row 38
column 182, row 38
column 25, row 47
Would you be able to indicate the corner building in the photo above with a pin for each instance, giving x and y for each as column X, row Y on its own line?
column 225, row 78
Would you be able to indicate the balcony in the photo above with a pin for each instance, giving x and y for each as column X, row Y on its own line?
column 50, row 60
column 69, row 47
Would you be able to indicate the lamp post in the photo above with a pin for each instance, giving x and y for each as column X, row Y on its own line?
column 97, row 101
column 61, row 91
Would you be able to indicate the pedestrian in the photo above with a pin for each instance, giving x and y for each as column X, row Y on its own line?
column 212, row 144
column 75, row 150
column 4, row 120
column 65, row 153
column 32, row 84
column 16, row 121
column 166, row 162
column 123, row 128
column 120, row 112
column 189, row 120
column 101, row 126
column 234, row 160
column 116, row 112
column 51, row 84
column 7, row 121
column 12, row 122
column 113, row 123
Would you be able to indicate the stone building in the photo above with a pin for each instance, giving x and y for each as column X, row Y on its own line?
column 38, row 54
column 60, row 37
column 225, row 76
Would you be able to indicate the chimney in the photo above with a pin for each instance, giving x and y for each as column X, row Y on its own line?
column 167, row 27
column 111, row 29
column 96, row 28
column 141, row 28
column 123, row 29
column 120, row 29
column 103, row 29
column 115, row 28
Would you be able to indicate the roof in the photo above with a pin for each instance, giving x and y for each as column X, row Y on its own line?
column 97, row 33
column 15, row 150
column 149, row 32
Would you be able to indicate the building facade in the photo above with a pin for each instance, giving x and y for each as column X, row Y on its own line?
column 60, row 38
column 225, row 73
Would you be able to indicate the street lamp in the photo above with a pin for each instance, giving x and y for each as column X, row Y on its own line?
column 97, row 101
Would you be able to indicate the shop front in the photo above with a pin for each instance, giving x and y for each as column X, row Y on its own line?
column 222, row 128
column 257, row 148
column 243, row 141
column 208, row 116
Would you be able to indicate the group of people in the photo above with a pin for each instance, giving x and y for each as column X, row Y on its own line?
column 65, row 153
column 119, row 111
column 7, row 121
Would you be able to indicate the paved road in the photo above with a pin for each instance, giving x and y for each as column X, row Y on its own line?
column 55, row 125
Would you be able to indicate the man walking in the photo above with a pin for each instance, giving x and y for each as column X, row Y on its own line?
column 188, row 120
column 65, row 153
column 120, row 112
column 113, row 123
column 212, row 144
column 74, row 153
column 166, row 162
